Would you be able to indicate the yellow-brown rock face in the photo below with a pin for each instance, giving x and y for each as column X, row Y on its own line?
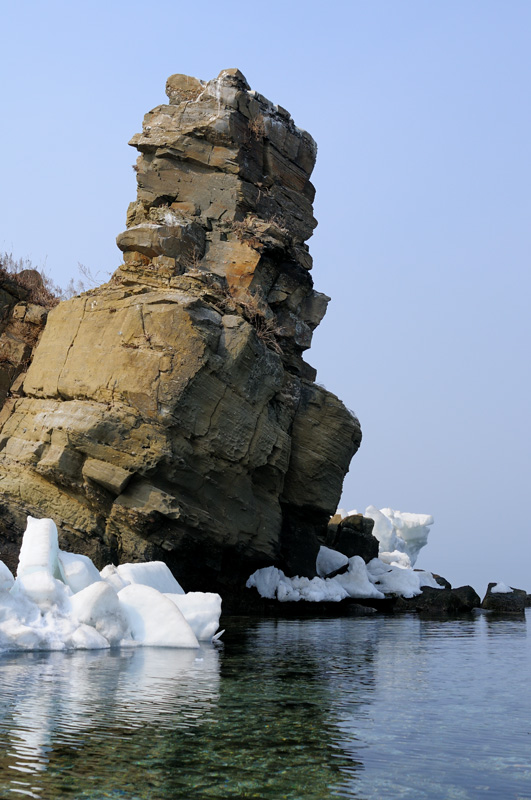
column 169, row 414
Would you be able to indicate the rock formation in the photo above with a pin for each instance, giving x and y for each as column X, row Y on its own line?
column 169, row 414
column 22, row 321
column 440, row 602
column 352, row 536
column 502, row 599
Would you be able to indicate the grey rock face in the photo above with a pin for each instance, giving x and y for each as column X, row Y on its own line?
column 513, row 602
column 441, row 602
column 353, row 537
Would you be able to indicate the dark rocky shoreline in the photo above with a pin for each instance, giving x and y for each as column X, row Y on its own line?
column 431, row 603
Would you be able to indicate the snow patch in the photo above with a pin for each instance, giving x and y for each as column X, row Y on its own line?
column 329, row 561
column 501, row 588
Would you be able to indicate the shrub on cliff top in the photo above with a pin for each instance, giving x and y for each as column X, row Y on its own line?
column 41, row 288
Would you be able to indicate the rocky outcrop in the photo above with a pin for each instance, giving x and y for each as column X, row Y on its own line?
column 170, row 414
column 441, row 602
column 21, row 323
column 352, row 536
column 24, row 306
column 504, row 599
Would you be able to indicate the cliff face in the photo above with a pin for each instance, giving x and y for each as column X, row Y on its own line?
column 169, row 414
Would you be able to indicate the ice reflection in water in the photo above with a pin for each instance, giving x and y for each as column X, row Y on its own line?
column 367, row 708
column 56, row 706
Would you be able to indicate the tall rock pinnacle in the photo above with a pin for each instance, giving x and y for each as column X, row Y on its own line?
column 169, row 413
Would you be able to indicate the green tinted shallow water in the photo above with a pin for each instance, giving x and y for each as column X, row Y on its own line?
column 369, row 708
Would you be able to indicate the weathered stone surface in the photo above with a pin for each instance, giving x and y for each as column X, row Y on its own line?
column 182, row 88
column 169, row 414
column 110, row 476
column 441, row 602
column 21, row 324
column 513, row 602
column 442, row 581
column 352, row 536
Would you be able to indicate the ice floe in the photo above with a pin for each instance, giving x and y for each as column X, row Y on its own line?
column 59, row 601
column 153, row 619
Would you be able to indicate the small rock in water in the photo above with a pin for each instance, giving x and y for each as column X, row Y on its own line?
column 503, row 599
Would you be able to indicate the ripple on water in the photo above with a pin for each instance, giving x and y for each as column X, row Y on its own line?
column 369, row 708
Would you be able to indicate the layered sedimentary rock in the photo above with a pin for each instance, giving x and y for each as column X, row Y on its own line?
column 21, row 324
column 169, row 414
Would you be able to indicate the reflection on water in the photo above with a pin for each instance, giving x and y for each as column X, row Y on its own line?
column 369, row 708
column 65, row 715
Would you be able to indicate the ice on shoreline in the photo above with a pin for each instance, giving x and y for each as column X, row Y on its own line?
column 362, row 581
column 399, row 531
column 59, row 601
column 401, row 536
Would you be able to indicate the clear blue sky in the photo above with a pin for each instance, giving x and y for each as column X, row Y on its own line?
column 422, row 116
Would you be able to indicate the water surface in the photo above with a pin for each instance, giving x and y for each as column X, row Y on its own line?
column 372, row 708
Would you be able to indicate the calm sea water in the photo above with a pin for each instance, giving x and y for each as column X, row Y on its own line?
column 372, row 708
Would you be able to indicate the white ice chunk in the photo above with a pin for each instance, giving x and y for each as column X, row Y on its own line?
column 397, row 530
column 201, row 610
column 328, row 561
column 271, row 582
column 44, row 590
column 286, row 591
column 110, row 575
column 501, row 588
column 383, row 530
column 315, row 590
column 19, row 607
column 84, row 637
column 363, row 581
column 77, row 571
column 427, row 579
column 153, row 573
column 15, row 635
column 59, row 601
column 99, row 607
column 6, row 578
column 356, row 581
column 395, row 559
column 40, row 548
column 411, row 529
column 25, row 626
column 344, row 513
column 265, row 581
column 153, row 619
column 394, row 579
